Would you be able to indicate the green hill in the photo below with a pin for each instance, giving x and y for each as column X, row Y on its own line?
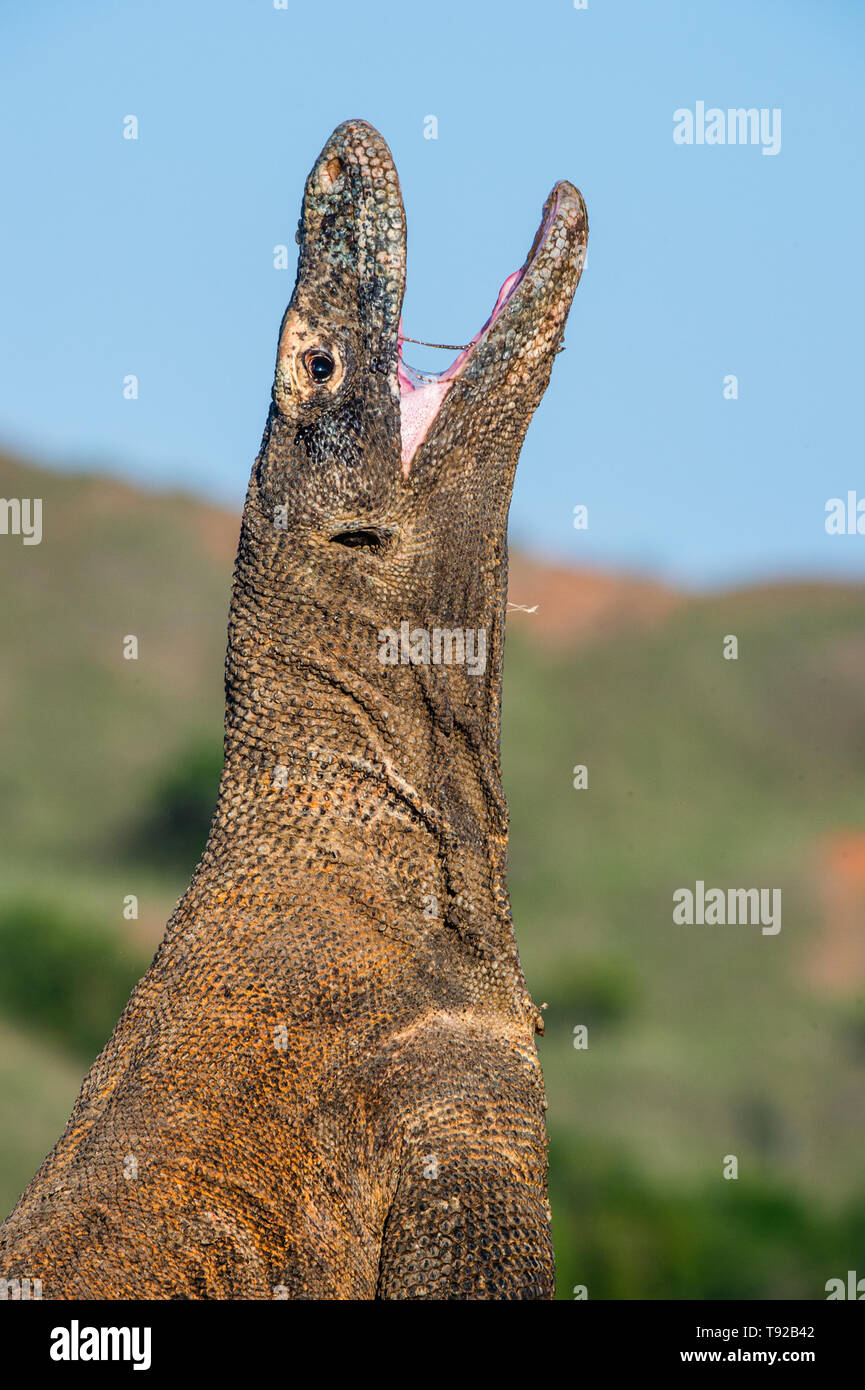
column 703, row 1041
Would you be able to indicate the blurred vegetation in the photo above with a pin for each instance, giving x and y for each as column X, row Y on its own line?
column 701, row 1042
column 596, row 992
column 175, row 825
column 620, row 1235
column 62, row 978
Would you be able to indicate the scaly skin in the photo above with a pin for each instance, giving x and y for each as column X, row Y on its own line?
column 326, row 1085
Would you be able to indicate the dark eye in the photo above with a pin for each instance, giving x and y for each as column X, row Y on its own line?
column 320, row 365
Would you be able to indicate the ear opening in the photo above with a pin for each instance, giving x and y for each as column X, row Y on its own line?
column 363, row 538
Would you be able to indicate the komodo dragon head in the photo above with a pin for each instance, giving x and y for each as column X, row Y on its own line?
column 371, row 583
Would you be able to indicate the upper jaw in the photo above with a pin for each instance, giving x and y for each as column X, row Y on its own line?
column 353, row 243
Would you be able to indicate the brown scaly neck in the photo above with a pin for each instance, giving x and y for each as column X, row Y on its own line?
column 314, row 726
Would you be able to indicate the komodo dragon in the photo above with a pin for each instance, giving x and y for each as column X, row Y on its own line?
column 326, row 1085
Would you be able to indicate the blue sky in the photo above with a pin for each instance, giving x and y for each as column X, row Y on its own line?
column 155, row 256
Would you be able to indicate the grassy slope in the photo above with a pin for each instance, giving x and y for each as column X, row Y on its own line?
column 88, row 725
column 703, row 1041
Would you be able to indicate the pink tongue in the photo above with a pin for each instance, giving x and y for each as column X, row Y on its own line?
column 419, row 405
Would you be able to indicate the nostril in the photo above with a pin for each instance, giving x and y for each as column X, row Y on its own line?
column 329, row 175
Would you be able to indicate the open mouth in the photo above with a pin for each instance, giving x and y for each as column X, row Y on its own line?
column 422, row 393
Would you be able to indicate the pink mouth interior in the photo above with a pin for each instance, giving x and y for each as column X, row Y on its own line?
column 420, row 401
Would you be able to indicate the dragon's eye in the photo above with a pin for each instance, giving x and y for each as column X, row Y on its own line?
column 320, row 365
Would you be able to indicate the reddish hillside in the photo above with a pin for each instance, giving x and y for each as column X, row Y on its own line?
column 570, row 605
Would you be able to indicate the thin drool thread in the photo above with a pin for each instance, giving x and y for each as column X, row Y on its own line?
column 447, row 347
